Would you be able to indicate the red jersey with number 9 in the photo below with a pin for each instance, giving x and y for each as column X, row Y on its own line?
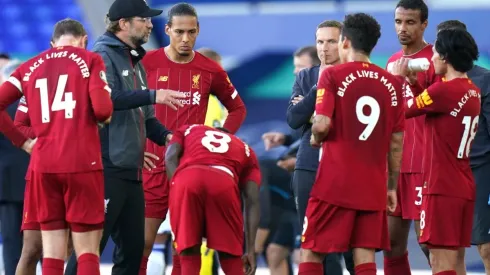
column 67, row 93
column 452, row 109
column 365, row 105
column 204, row 145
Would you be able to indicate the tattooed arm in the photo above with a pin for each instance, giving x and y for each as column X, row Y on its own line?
column 394, row 159
column 320, row 129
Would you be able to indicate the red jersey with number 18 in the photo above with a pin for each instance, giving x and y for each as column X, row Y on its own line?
column 67, row 94
column 204, row 145
column 452, row 109
column 365, row 105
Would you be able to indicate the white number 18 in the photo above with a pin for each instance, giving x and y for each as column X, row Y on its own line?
column 468, row 136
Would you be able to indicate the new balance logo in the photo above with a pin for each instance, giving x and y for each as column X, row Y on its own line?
column 106, row 203
column 196, row 98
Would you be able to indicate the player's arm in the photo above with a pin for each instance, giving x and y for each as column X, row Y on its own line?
column 229, row 97
column 99, row 91
column 174, row 151
column 250, row 182
column 394, row 159
column 324, row 108
column 300, row 113
column 22, row 120
column 121, row 99
column 429, row 101
column 10, row 92
column 155, row 130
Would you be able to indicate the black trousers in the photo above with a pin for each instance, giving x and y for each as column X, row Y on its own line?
column 124, row 223
column 11, row 220
column 302, row 184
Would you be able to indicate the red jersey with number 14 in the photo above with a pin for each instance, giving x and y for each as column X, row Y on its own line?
column 204, row 145
column 413, row 140
column 365, row 105
column 67, row 94
column 452, row 109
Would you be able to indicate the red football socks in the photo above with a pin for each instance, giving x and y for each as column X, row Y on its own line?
column 191, row 265
column 310, row 269
column 88, row 264
column 143, row 265
column 176, row 268
column 366, row 269
column 231, row 266
column 397, row 265
column 447, row 272
column 53, row 266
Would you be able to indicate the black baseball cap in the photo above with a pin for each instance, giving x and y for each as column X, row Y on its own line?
column 131, row 8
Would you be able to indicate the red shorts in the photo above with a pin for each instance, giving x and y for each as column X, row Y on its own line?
column 409, row 196
column 30, row 210
column 446, row 222
column 205, row 203
column 69, row 200
column 329, row 228
column 155, row 186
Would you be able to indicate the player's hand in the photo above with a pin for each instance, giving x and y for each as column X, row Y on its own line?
column 169, row 98
column 287, row 164
column 314, row 143
column 29, row 145
column 168, row 138
column 297, row 99
column 273, row 139
column 322, row 68
column 148, row 162
column 400, row 67
column 249, row 263
column 391, row 201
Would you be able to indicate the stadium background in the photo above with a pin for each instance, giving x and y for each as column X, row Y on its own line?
column 256, row 39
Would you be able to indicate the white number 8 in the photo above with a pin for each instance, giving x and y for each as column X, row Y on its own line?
column 371, row 120
column 213, row 137
column 422, row 219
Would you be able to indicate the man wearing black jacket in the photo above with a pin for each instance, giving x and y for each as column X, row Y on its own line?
column 299, row 114
column 123, row 140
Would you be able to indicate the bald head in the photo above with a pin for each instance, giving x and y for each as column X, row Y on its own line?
column 209, row 53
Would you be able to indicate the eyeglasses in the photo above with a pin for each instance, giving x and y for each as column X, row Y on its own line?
column 145, row 20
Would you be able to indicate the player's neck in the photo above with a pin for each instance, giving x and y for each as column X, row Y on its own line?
column 414, row 48
column 358, row 57
column 453, row 74
column 176, row 57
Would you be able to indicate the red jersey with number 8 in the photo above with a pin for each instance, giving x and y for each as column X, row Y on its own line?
column 67, row 94
column 204, row 145
column 452, row 109
column 365, row 105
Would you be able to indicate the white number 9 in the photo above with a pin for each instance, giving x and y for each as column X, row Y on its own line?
column 369, row 120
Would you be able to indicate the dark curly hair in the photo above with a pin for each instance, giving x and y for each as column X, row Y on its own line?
column 362, row 30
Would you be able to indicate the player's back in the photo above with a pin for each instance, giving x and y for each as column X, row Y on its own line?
column 368, row 108
column 204, row 145
column 450, row 130
column 56, row 85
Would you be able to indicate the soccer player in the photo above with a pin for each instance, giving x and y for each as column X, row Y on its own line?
column 67, row 93
column 207, row 169
column 359, row 116
column 178, row 67
column 452, row 109
column 411, row 19
column 479, row 157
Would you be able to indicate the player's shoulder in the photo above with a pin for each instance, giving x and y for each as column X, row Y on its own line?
column 153, row 57
column 206, row 64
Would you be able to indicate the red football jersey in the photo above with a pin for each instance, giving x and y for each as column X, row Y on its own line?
column 365, row 105
column 196, row 80
column 452, row 109
column 414, row 127
column 204, row 145
column 66, row 91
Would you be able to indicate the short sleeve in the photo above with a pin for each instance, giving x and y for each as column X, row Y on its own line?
column 252, row 171
column 325, row 94
column 179, row 135
column 399, row 109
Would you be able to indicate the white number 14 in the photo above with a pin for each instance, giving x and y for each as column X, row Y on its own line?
column 58, row 103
